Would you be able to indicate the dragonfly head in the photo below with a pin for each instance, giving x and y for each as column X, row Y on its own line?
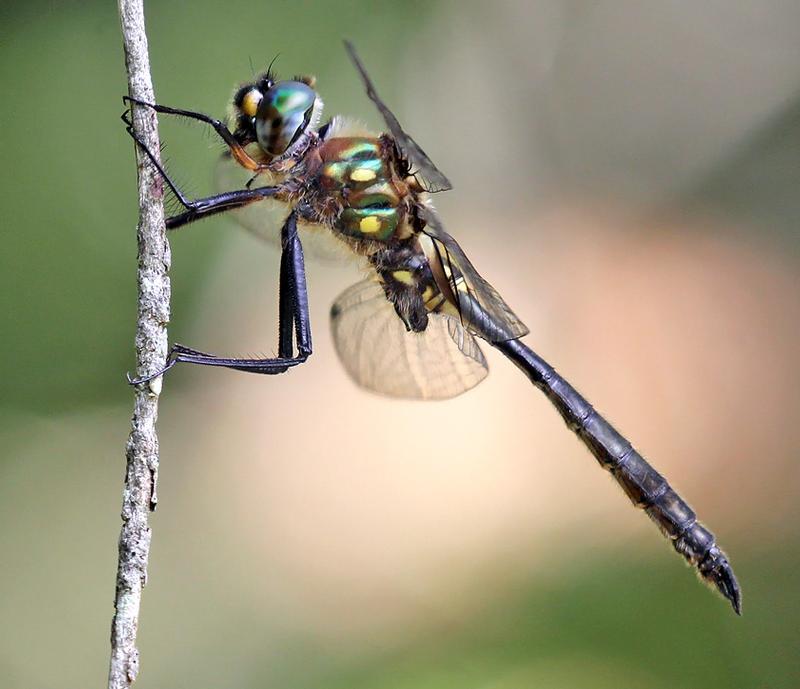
column 278, row 115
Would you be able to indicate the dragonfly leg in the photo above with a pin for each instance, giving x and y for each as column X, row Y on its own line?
column 293, row 322
column 293, row 294
column 204, row 207
column 237, row 151
column 219, row 203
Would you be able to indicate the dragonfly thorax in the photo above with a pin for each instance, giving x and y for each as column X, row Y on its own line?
column 359, row 171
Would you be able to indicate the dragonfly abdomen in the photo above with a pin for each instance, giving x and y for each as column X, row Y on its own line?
column 645, row 487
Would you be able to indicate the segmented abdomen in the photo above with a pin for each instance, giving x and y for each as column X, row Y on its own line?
column 641, row 482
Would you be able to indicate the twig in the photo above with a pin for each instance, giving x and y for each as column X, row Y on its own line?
column 139, row 494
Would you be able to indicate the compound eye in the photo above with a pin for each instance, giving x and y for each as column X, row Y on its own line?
column 284, row 114
column 250, row 102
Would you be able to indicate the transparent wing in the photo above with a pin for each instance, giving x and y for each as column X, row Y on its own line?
column 431, row 178
column 264, row 219
column 381, row 355
column 481, row 309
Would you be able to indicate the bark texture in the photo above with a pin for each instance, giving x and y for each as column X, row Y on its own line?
column 139, row 495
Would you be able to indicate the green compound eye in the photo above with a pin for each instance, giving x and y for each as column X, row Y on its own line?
column 283, row 115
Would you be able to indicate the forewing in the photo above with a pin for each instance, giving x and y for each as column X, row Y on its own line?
column 265, row 218
column 481, row 309
column 431, row 178
column 381, row 355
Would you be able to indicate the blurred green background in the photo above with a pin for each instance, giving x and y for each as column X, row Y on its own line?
column 627, row 176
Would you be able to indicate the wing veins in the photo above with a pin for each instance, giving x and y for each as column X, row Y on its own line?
column 434, row 179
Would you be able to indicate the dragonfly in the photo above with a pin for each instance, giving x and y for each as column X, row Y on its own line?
column 411, row 328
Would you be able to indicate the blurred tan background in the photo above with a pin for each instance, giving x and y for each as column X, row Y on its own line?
column 626, row 175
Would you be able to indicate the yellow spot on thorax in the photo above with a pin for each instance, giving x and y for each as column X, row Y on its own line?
column 403, row 276
column 362, row 174
column 370, row 224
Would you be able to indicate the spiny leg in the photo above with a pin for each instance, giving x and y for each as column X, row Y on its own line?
column 286, row 305
column 293, row 302
column 237, row 151
column 293, row 316
column 219, row 203
column 207, row 206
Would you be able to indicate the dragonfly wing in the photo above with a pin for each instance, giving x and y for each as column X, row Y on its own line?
column 481, row 309
column 265, row 218
column 431, row 178
column 381, row 355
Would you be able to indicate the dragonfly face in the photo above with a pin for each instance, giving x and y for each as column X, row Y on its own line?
column 410, row 328
column 276, row 115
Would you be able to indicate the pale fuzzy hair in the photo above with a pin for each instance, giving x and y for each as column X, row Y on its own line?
column 345, row 126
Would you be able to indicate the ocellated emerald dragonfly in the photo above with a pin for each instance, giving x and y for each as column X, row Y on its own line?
column 411, row 328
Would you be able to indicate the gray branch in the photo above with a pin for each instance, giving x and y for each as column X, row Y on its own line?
column 139, row 494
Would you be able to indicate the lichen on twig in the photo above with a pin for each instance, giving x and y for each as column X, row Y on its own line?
column 139, row 495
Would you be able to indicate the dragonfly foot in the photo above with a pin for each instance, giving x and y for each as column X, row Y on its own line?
column 146, row 379
column 145, row 104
